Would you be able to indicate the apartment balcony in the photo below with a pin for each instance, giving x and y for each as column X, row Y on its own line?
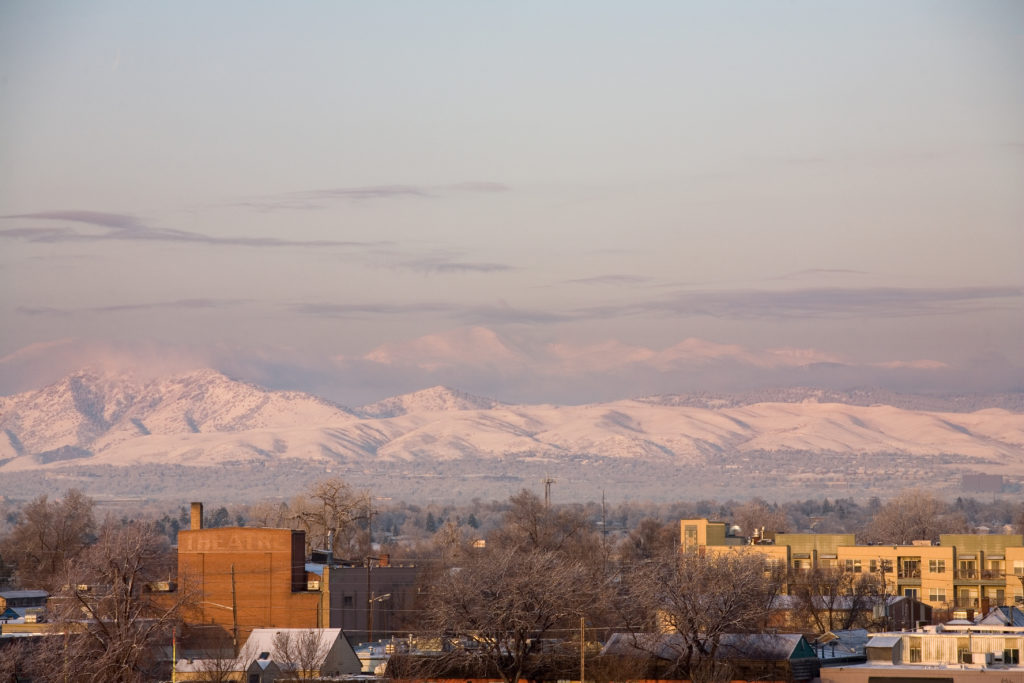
column 967, row 603
column 992, row 577
column 909, row 577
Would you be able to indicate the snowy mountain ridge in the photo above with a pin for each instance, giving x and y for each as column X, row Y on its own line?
column 205, row 418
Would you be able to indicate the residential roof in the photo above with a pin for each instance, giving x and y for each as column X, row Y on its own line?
column 11, row 595
column 755, row 646
column 838, row 602
column 884, row 641
column 265, row 640
column 1005, row 615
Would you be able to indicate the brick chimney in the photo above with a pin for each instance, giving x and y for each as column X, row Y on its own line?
column 197, row 516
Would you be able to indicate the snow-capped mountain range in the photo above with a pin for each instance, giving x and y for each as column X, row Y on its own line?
column 204, row 418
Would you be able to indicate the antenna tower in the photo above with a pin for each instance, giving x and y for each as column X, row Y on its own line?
column 548, row 481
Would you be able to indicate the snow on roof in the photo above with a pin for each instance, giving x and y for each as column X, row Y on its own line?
column 760, row 646
column 884, row 641
column 265, row 640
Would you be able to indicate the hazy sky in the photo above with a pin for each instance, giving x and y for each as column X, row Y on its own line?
column 532, row 200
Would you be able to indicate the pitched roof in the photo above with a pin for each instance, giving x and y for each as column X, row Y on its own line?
column 756, row 646
column 1005, row 615
column 265, row 640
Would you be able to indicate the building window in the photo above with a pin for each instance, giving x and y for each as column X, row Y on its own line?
column 690, row 536
column 1018, row 567
column 937, row 595
column 853, row 566
column 346, row 601
column 910, row 568
column 1011, row 656
column 937, row 566
column 872, row 566
column 915, row 654
column 968, row 569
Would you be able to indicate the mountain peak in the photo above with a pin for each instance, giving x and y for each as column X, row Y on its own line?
column 434, row 399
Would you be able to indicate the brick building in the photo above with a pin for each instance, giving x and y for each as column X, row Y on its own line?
column 248, row 578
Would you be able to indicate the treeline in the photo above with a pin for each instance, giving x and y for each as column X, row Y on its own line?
column 543, row 569
column 408, row 529
column 873, row 520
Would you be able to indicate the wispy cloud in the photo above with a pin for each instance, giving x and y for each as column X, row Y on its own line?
column 369, row 309
column 447, row 265
column 817, row 272
column 822, row 302
column 504, row 314
column 180, row 304
column 499, row 314
column 128, row 228
column 612, row 280
column 320, row 198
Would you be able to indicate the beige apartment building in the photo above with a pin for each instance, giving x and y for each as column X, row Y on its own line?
column 964, row 571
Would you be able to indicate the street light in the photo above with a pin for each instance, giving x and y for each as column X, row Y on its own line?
column 383, row 559
column 234, row 621
column 379, row 598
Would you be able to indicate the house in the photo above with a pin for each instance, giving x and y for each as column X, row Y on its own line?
column 1005, row 615
column 830, row 612
column 277, row 654
column 308, row 652
column 749, row 656
column 28, row 606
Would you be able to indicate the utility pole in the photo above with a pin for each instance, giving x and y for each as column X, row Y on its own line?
column 369, row 604
column 583, row 646
column 548, row 481
column 234, row 612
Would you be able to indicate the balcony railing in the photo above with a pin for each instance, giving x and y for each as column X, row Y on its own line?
column 910, row 573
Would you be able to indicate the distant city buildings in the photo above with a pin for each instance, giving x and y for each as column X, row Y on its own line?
column 967, row 572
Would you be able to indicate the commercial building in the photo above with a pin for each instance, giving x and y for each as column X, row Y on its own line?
column 969, row 572
column 953, row 652
column 248, row 578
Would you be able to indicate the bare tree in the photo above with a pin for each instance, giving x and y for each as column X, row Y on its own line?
column 300, row 653
column 530, row 525
column 650, row 539
column 913, row 515
column 831, row 599
column 757, row 513
column 496, row 610
column 268, row 514
column 691, row 601
column 218, row 663
column 110, row 617
column 332, row 507
column 49, row 534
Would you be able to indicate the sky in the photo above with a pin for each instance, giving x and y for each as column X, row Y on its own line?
column 533, row 201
